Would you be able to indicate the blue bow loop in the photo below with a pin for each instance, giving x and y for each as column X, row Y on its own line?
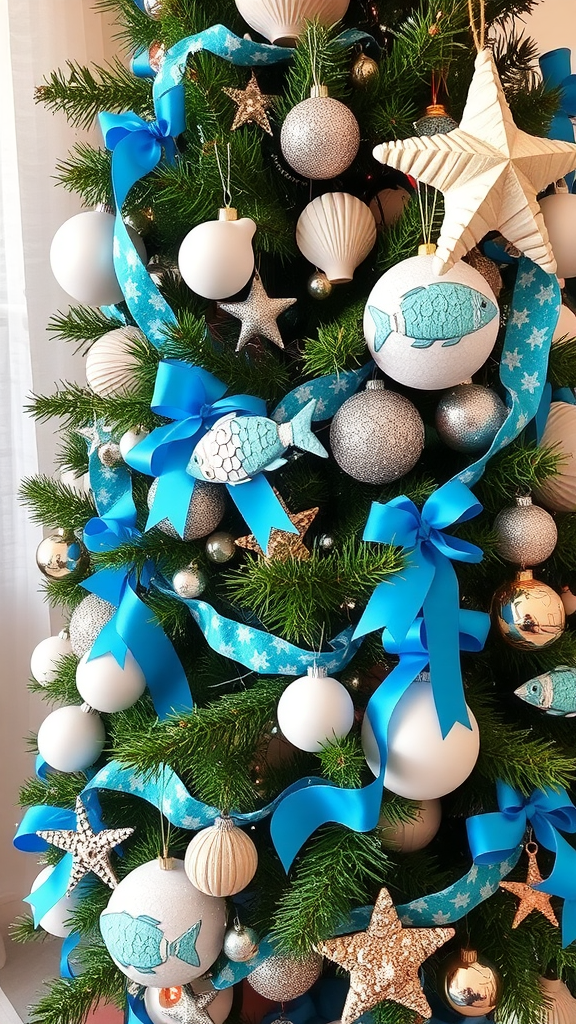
column 555, row 68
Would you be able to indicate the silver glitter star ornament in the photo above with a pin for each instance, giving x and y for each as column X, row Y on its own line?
column 90, row 850
column 258, row 314
column 189, row 1009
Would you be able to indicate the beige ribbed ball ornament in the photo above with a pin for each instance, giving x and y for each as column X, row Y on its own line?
column 111, row 361
column 558, row 492
column 221, row 860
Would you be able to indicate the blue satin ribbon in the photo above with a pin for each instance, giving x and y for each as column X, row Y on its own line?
column 330, row 392
column 556, row 74
column 69, row 945
column 108, row 483
column 140, row 63
column 493, row 836
column 428, row 582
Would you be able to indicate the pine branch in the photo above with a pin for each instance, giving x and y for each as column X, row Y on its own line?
column 79, row 407
column 81, row 324
column 343, row 762
column 520, row 468
column 339, row 345
column 562, row 363
column 56, row 505
column 67, row 1001
column 135, row 28
column 72, row 453
column 62, row 689
column 317, row 58
column 84, row 92
column 23, row 930
column 87, row 173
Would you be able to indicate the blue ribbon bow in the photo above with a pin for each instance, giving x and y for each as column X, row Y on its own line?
column 555, row 67
column 428, row 582
column 494, row 836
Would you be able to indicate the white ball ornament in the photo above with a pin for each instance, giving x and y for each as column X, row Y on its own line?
column 162, row 1003
column 566, row 326
column 54, row 920
column 421, row 765
column 221, row 860
column 46, row 655
column 80, row 483
column 430, row 332
column 160, row 930
column 81, row 257
column 283, row 21
column 111, row 362
column 71, row 738
column 314, row 710
column 559, row 492
column 216, row 259
column 559, row 213
column 320, row 136
column 107, row 686
column 130, row 439
column 336, row 232
column 409, row 836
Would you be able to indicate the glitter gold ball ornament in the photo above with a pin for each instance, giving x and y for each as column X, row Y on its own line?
column 258, row 314
column 86, row 622
column 220, row 547
column 46, row 657
column 435, row 121
column 216, row 258
column 240, row 943
column 530, row 898
column 314, row 710
column 377, row 435
column 281, row 978
column 384, row 961
column 528, row 614
column 469, row 984
column 336, row 232
column 388, row 205
column 221, row 860
column 283, row 21
column 205, row 511
column 251, row 105
column 468, row 417
column 364, row 70
column 486, row 267
column 60, row 554
column 320, row 136
column 109, row 454
column 527, row 534
column 558, row 493
column 189, row 582
column 319, row 287
column 90, row 850
column 71, row 738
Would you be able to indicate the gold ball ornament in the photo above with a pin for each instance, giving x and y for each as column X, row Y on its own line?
column 528, row 614
column 221, row 860
column 319, row 287
column 469, row 984
column 60, row 554
column 220, row 547
column 364, row 71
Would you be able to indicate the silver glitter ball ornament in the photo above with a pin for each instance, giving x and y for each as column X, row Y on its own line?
column 87, row 621
column 527, row 534
column 240, row 943
column 221, row 547
column 377, row 435
column 326, row 542
column 207, row 506
column 189, row 582
column 320, row 136
column 282, row 978
column 468, row 417
column 435, row 121
column 319, row 287
column 109, row 454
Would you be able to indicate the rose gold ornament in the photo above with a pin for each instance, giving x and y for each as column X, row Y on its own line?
column 527, row 613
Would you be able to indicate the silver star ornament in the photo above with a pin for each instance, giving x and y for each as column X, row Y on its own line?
column 258, row 314
column 191, row 1009
column 90, row 850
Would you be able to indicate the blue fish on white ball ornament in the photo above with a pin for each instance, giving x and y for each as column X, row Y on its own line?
column 443, row 311
column 139, row 942
column 237, row 448
column 553, row 692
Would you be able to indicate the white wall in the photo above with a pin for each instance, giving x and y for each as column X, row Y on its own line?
column 553, row 24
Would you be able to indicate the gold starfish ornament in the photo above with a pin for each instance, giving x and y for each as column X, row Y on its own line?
column 384, row 961
column 282, row 545
column 251, row 105
column 530, row 898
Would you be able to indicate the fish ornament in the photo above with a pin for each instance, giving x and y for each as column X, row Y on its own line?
column 553, row 692
column 443, row 311
column 130, row 939
column 237, row 448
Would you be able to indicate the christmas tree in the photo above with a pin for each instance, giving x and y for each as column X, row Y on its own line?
column 322, row 282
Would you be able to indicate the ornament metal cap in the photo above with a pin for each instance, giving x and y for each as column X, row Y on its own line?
column 436, row 110
column 468, row 956
column 104, row 208
column 523, row 500
column 87, row 709
column 427, row 249
column 524, row 574
column 166, row 863
column 225, row 823
column 319, row 92
column 227, row 213
column 375, row 385
column 317, row 671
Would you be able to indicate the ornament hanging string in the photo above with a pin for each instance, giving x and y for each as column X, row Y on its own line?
column 478, row 34
column 225, row 182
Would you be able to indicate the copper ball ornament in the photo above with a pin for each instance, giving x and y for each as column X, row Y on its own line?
column 469, row 984
column 60, row 554
column 528, row 614
column 364, row 71
column 527, row 534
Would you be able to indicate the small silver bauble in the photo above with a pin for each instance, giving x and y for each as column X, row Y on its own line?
column 153, row 9
column 468, row 417
column 527, row 534
column 207, row 506
column 189, row 582
column 377, row 435
column 86, row 622
column 240, row 943
column 326, row 542
column 436, row 121
column 220, row 547
column 60, row 554
column 320, row 136
column 282, row 978
column 109, row 454
column 159, row 272
column 319, row 287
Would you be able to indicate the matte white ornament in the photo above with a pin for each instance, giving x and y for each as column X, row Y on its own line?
column 336, row 232
column 79, row 483
column 54, row 919
column 559, row 213
column 218, row 1010
column 110, row 363
column 46, row 655
column 216, row 259
column 559, row 1008
column 559, row 492
column 106, row 686
column 71, row 738
column 566, row 326
column 283, row 21
column 221, row 860
column 320, row 136
column 81, row 257
column 130, row 439
column 429, row 332
column 489, row 171
column 409, row 836
column 421, row 765
column 187, row 933
column 314, row 710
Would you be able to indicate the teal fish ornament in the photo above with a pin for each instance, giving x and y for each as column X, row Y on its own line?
column 237, row 448
column 553, row 692
column 139, row 942
column 443, row 311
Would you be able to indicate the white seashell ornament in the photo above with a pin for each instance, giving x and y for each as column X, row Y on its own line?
column 216, row 259
column 221, row 860
column 282, row 21
column 320, row 136
column 110, row 363
column 559, row 1004
column 559, row 492
column 336, row 232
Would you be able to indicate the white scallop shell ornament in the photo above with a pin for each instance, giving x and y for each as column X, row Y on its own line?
column 216, row 258
column 336, row 232
column 111, row 361
column 282, row 21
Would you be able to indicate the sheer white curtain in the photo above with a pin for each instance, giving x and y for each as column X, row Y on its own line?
column 36, row 36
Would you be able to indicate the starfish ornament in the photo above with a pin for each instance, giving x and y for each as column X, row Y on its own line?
column 489, row 171
column 90, row 850
column 251, row 105
column 258, row 314
column 384, row 961
column 282, row 545
column 530, row 898
column 189, row 1008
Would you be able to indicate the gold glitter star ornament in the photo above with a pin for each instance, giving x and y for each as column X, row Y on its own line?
column 530, row 898
column 90, row 850
column 283, row 545
column 251, row 105
column 257, row 314
column 384, row 961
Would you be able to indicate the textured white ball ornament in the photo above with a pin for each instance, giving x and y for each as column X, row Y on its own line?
column 216, row 259
column 46, row 655
column 71, row 739
column 54, row 919
column 86, row 622
column 82, row 261
column 221, row 860
column 110, row 362
column 421, row 765
column 218, row 1010
column 282, row 21
column 336, row 232
column 566, row 326
column 320, row 136
column 409, row 836
column 159, row 929
column 314, row 710
column 559, row 492
column 559, row 212
column 430, row 332
column 130, row 439
column 108, row 687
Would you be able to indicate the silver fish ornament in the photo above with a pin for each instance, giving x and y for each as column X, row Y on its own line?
column 443, row 311
column 553, row 692
column 237, row 448
column 139, row 942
